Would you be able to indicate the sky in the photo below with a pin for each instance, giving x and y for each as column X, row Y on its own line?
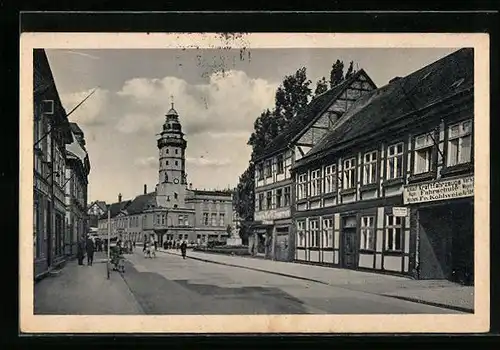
column 218, row 94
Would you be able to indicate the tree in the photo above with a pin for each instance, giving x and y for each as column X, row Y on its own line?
column 337, row 73
column 245, row 194
column 292, row 96
column 350, row 71
column 321, row 86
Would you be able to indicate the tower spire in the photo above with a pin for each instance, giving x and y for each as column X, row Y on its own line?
column 172, row 101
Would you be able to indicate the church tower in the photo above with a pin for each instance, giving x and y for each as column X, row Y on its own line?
column 172, row 182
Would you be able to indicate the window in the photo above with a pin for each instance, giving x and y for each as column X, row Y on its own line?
column 186, row 220
column 301, row 186
column 279, row 196
column 423, row 154
column 176, row 151
column 260, row 171
column 287, row 196
column 176, row 162
column 214, row 219
column 269, row 200
column 268, row 168
column 367, row 233
column 315, row 183
column 395, row 161
column 330, row 182
column 261, row 201
column 176, row 195
column 279, row 164
column 158, row 219
column 167, row 150
column 314, row 235
column 300, row 234
column 166, row 162
column 327, row 233
column 459, row 143
column 181, row 220
column 205, row 219
column 370, row 168
column 393, row 233
column 349, row 180
column 221, row 219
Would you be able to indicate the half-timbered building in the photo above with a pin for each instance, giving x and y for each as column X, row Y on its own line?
column 274, row 190
column 391, row 188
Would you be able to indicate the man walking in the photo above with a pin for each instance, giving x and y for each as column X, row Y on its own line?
column 183, row 249
column 81, row 250
column 90, row 251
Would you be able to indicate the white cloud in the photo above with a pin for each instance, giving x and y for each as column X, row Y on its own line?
column 91, row 111
column 208, row 162
column 230, row 101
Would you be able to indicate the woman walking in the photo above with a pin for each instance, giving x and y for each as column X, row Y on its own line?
column 183, row 249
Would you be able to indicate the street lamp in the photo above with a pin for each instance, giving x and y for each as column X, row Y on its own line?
column 109, row 241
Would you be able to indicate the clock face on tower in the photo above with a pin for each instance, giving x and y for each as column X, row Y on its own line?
column 176, row 181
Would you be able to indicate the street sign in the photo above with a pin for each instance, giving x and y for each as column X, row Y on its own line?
column 399, row 211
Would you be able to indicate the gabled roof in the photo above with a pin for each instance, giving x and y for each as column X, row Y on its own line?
column 139, row 203
column 101, row 204
column 116, row 208
column 398, row 99
column 75, row 128
column 308, row 115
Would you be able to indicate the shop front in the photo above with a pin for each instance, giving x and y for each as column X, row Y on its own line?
column 443, row 215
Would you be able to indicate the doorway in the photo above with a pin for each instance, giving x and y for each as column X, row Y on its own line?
column 349, row 243
column 446, row 243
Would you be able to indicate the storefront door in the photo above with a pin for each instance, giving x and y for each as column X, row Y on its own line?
column 349, row 243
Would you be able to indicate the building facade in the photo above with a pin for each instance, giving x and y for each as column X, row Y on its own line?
column 174, row 211
column 274, row 185
column 391, row 190
column 51, row 135
column 77, row 171
column 95, row 210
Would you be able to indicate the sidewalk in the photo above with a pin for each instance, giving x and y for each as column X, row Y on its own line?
column 439, row 293
column 85, row 290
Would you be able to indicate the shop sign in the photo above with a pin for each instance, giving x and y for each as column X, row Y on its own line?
column 400, row 211
column 439, row 190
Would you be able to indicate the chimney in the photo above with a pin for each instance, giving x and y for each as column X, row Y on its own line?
column 145, row 189
column 119, row 197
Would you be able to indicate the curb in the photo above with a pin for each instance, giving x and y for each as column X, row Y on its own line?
column 414, row 300
column 431, row 303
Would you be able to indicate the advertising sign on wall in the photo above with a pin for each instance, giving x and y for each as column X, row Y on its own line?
column 439, row 190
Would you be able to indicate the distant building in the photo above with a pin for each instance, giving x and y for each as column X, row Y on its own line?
column 174, row 211
column 274, row 185
column 391, row 189
column 77, row 171
column 95, row 210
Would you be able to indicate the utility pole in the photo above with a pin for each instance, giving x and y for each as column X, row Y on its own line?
column 109, row 239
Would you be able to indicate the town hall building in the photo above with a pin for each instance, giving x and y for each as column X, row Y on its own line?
column 174, row 211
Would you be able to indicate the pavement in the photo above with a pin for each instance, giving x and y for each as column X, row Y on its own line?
column 440, row 293
column 85, row 290
column 208, row 284
column 171, row 285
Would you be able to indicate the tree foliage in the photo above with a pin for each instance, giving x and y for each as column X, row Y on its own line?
column 321, row 86
column 337, row 73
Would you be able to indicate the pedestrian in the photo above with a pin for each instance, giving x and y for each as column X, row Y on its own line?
column 156, row 245
column 90, row 251
column 183, row 249
column 134, row 244
column 81, row 250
